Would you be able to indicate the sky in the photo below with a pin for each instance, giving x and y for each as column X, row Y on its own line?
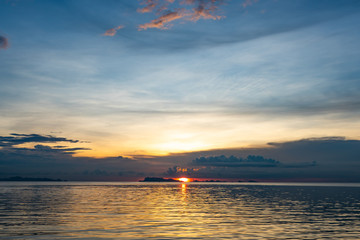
column 240, row 89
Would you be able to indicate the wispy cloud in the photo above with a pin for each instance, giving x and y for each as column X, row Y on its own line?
column 51, row 150
column 190, row 10
column 112, row 31
column 4, row 43
column 205, row 10
column 17, row 139
column 247, row 3
column 158, row 5
column 150, row 5
column 163, row 21
column 223, row 164
column 232, row 161
column 13, row 141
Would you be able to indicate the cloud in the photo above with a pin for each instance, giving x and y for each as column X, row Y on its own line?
column 163, row 21
column 111, row 32
column 4, row 43
column 150, row 6
column 223, row 166
column 13, row 141
column 232, row 161
column 17, row 139
column 57, row 161
column 309, row 140
column 240, row 26
column 192, row 10
column 63, row 149
column 328, row 159
column 45, row 161
column 205, row 10
column 315, row 159
column 158, row 5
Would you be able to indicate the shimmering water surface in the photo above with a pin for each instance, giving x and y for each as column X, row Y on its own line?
column 178, row 211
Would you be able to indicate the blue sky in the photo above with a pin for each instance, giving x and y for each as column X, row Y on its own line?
column 233, row 74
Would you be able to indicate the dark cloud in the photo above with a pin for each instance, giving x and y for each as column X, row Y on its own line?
column 49, row 149
column 315, row 159
column 335, row 159
column 4, row 43
column 44, row 161
column 249, row 161
column 13, row 141
column 50, row 161
column 232, row 161
column 17, row 139
column 233, row 167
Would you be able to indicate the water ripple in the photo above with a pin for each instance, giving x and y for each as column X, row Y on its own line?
column 178, row 211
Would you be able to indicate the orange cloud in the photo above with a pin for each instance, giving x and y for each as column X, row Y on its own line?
column 159, row 5
column 111, row 32
column 162, row 21
column 150, row 5
column 4, row 43
column 205, row 10
column 202, row 9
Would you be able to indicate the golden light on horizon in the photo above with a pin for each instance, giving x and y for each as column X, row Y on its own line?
column 183, row 179
column 183, row 190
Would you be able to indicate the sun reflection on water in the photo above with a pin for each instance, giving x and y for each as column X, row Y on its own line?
column 179, row 211
column 183, row 190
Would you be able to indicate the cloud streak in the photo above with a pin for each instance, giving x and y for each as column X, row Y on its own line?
column 150, row 5
column 17, row 139
column 112, row 31
column 163, row 21
column 205, row 10
column 232, row 161
column 12, row 142
column 4, row 42
column 189, row 10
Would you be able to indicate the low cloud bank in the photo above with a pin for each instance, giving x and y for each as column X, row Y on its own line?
column 329, row 159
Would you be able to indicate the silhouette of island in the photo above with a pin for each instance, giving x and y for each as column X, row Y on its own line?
column 210, row 180
column 28, row 179
column 156, row 179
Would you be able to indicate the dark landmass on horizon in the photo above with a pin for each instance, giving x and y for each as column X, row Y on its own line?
column 28, row 179
column 157, row 179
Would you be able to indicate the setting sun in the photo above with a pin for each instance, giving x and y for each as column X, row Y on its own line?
column 184, row 179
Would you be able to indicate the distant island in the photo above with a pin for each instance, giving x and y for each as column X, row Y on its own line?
column 156, row 179
column 28, row 179
column 210, row 181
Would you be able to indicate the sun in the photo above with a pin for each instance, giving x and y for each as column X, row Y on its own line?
column 183, row 179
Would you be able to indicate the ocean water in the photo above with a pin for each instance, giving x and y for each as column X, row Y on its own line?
column 86, row 210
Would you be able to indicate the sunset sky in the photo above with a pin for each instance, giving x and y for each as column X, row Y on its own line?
column 91, row 85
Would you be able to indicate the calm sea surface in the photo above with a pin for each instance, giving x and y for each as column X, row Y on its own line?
column 85, row 210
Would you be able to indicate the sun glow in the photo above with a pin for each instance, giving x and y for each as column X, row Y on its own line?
column 184, row 179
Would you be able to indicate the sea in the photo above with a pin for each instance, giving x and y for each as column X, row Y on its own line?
column 147, row 210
